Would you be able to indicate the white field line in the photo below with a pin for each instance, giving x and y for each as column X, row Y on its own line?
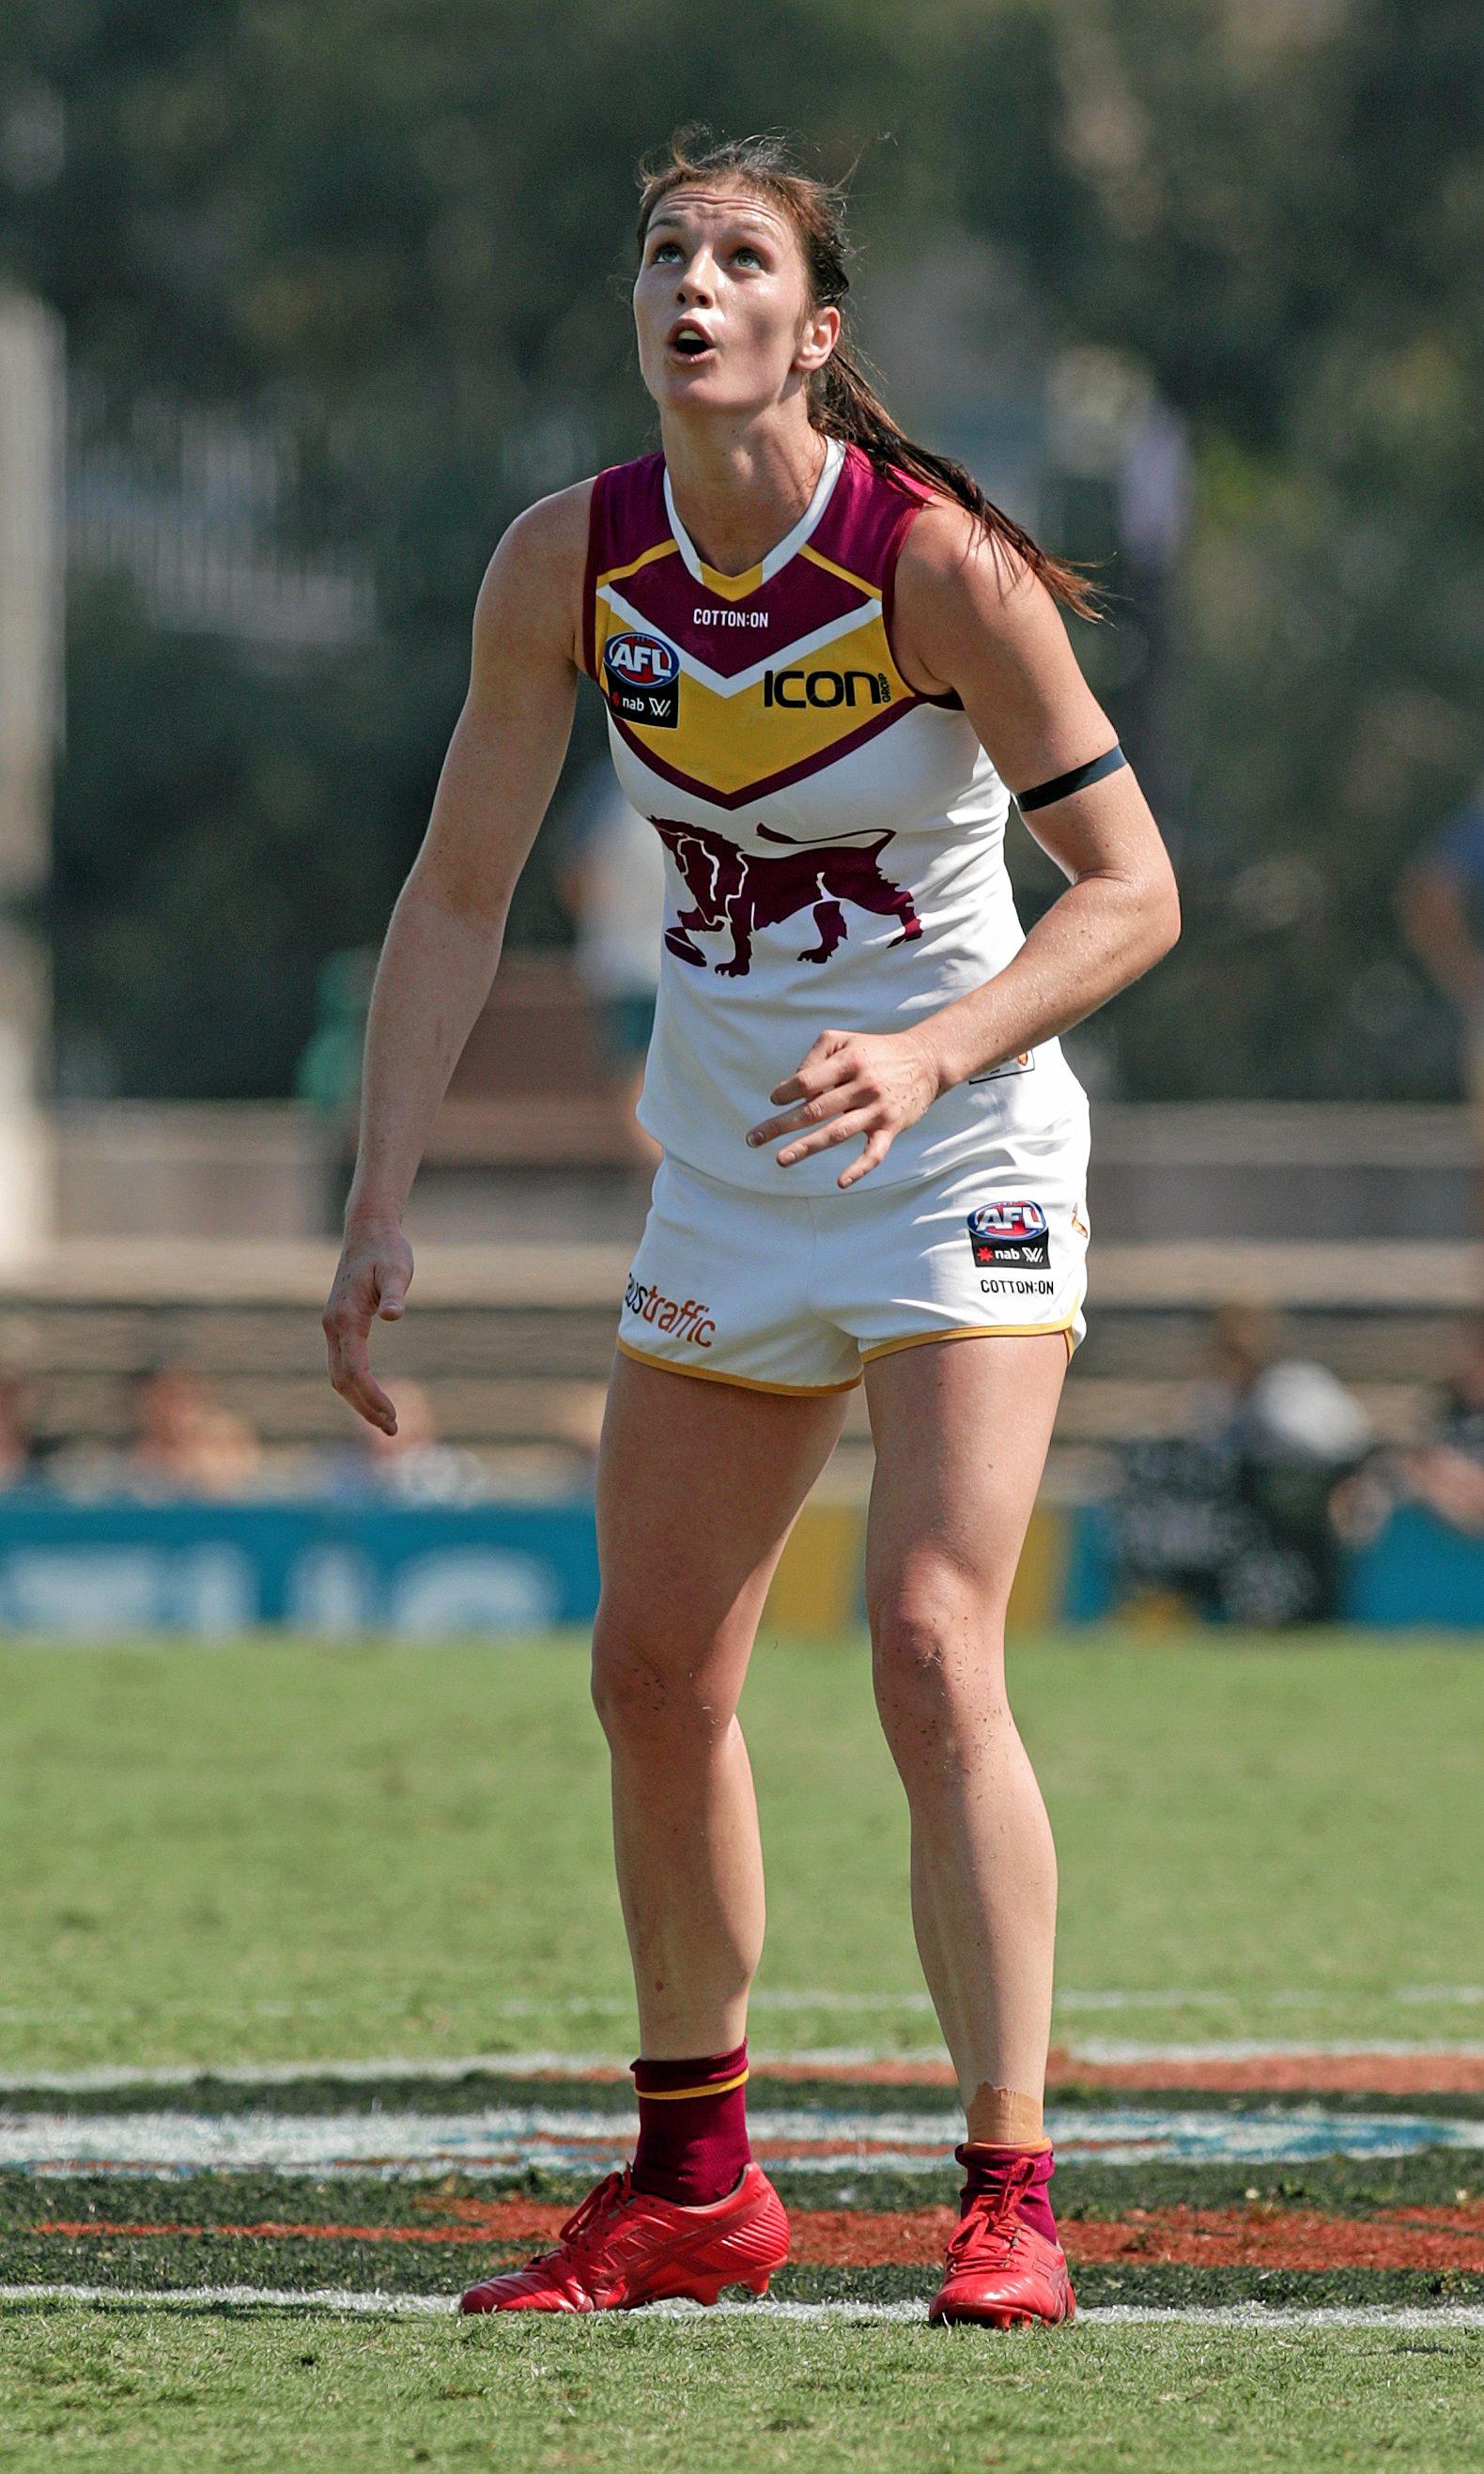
column 244, row 2298
column 1127, row 2315
column 385, row 2144
column 1110, row 2048
column 434, row 2306
column 106, row 2077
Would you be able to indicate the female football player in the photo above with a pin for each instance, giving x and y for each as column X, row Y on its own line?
column 828, row 661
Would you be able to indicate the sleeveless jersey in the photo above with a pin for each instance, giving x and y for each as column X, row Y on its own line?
column 833, row 838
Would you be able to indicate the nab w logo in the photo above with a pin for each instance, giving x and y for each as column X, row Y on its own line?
column 642, row 677
column 1011, row 1232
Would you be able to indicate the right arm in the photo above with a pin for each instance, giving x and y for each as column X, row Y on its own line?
column 446, row 932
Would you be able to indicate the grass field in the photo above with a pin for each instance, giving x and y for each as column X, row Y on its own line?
column 281, row 1852
column 103, row 2389
column 346, row 1869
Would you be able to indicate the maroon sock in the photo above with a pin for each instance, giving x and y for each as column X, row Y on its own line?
column 986, row 2166
column 692, row 2127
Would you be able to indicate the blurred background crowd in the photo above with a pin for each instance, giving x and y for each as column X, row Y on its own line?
column 299, row 304
column 1243, row 1515
column 176, row 1438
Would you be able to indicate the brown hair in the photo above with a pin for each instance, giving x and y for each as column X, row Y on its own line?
column 842, row 401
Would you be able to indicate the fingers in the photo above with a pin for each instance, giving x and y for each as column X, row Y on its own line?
column 369, row 1290
column 351, row 1375
column 827, row 1065
column 844, row 1088
column 820, row 1092
column 875, row 1152
column 854, row 1121
column 813, row 1112
column 393, row 1282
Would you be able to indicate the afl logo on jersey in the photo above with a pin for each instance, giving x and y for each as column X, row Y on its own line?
column 643, row 678
column 1011, row 1232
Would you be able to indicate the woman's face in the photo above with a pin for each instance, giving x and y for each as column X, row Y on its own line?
column 721, row 303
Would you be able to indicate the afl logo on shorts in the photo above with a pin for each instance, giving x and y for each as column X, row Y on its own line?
column 1011, row 1232
column 643, row 678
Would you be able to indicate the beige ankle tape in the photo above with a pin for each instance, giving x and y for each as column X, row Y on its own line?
column 1002, row 2117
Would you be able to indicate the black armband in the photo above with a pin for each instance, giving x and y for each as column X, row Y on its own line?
column 1081, row 778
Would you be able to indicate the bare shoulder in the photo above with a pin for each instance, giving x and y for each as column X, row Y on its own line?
column 951, row 564
column 965, row 598
column 551, row 535
column 533, row 583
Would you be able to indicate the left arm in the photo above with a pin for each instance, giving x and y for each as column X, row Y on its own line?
column 972, row 618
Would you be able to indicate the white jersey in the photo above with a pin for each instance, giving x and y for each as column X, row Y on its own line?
column 833, row 839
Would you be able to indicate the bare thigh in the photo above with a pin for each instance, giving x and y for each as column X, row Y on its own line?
column 961, row 1430
column 699, row 1484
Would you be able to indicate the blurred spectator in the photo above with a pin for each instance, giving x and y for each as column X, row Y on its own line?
column 411, row 1465
column 612, row 882
column 1445, row 1470
column 1272, row 1405
column 23, row 1454
column 329, row 1072
column 1239, row 1515
column 1441, row 903
column 182, row 1441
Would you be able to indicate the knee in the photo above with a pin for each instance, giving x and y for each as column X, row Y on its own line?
column 649, row 1695
column 937, row 1671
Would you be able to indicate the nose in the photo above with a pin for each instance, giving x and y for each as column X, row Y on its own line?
column 694, row 283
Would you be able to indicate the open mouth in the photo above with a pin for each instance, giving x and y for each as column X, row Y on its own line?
column 691, row 343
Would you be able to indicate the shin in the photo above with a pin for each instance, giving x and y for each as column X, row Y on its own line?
column 984, row 1875
column 962, row 1430
column 686, row 1843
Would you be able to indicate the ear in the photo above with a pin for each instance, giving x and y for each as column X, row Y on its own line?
column 819, row 339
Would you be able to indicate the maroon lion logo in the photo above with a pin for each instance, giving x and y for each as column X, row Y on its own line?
column 733, row 888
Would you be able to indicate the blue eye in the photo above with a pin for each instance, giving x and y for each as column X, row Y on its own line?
column 747, row 250
column 672, row 246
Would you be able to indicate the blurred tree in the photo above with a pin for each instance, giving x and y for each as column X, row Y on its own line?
column 1336, row 594
column 395, row 235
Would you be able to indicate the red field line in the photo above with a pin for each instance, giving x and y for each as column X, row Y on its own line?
column 1315, row 2073
column 270, row 2230
column 1426, row 2238
column 1291, row 2074
column 1262, row 2236
column 1418, row 2238
column 1253, row 2074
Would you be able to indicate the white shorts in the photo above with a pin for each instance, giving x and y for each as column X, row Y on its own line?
column 794, row 1293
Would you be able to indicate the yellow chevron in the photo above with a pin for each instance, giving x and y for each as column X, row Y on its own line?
column 616, row 575
column 607, row 621
column 731, row 588
column 831, row 567
column 726, row 742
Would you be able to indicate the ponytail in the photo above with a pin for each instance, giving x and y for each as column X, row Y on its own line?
column 848, row 407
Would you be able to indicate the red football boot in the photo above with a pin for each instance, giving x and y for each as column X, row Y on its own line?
column 1001, row 2271
column 623, row 2248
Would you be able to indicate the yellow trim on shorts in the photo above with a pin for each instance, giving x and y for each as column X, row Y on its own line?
column 968, row 1331
column 712, row 2087
column 743, row 1382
